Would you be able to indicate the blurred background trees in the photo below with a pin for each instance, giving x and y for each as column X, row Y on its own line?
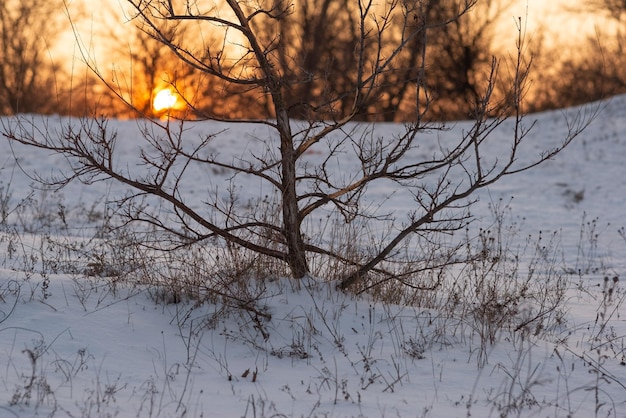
column 589, row 70
column 30, row 78
column 42, row 71
column 141, row 68
column 318, row 38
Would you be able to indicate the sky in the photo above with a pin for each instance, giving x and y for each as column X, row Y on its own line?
column 562, row 20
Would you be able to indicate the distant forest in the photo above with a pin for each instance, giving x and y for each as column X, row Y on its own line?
column 313, row 45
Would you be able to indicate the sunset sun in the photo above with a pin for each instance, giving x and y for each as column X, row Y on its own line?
column 164, row 100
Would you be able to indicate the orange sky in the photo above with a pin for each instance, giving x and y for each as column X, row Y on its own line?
column 563, row 21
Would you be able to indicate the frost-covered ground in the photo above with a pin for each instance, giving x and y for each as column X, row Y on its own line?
column 79, row 345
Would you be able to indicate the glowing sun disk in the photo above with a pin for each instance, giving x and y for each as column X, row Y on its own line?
column 165, row 99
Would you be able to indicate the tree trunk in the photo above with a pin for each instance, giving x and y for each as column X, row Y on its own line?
column 296, row 255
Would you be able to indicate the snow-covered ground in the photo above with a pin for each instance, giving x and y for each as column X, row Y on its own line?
column 77, row 345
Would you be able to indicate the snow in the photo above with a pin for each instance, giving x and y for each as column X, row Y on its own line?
column 76, row 345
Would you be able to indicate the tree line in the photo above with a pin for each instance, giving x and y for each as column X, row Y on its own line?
column 313, row 44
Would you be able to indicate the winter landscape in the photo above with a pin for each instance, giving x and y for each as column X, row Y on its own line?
column 83, row 332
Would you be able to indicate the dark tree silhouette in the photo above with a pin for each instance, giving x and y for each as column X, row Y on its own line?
column 252, row 57
column 28, row 30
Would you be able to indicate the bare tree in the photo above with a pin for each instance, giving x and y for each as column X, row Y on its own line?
column 136, row 65
column 28, row 30
column 592, row 69
column 441, row 185
column 315, row 39
column 582, row 76
column 461, row 51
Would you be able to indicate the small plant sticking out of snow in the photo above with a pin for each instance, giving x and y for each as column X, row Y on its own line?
column 414, row 349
